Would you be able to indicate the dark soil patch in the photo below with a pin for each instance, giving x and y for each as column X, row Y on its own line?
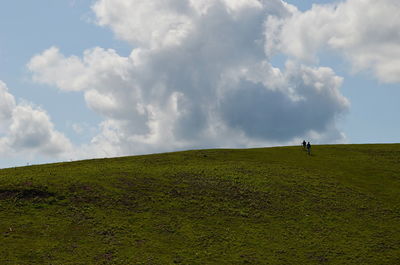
column 86, row 193
column 25, row 194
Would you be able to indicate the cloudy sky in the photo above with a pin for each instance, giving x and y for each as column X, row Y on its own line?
column 101, row 78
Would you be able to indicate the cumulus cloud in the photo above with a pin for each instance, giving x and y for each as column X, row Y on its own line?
column 159, row 23
column 7, row 102
column 365, row 32
column 306, row 99
column 26, row 128
column 197, row 76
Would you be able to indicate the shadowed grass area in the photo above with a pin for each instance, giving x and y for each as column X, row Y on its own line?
column 254, row 206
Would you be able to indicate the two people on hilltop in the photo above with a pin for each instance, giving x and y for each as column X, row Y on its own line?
column 307, row 146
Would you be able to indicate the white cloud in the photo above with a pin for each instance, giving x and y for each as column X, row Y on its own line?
column 72, row 73
column 157, row 23
column 198, row 76
column 151, row 23
column 27, row 129
column 7, row 103
column 306, row 99
column 365, row 32
column 31, row 129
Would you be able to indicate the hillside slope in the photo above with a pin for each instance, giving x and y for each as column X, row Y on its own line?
column 253, row 206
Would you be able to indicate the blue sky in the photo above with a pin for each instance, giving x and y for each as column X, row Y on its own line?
column 29, row 28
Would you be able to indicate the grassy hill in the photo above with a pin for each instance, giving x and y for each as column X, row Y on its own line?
column 254, row 206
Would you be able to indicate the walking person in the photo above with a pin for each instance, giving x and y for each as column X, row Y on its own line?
column 309, row 148
column 304, row 144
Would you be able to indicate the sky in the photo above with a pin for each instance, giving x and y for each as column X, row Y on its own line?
column 102, row 78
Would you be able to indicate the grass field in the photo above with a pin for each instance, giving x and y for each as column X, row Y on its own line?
column 255, row 206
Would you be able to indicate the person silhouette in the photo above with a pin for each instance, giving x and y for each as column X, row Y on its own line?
column 304, row 144
column 309, row 148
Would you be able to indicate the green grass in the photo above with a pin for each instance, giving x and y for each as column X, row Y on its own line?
column 253, row 206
